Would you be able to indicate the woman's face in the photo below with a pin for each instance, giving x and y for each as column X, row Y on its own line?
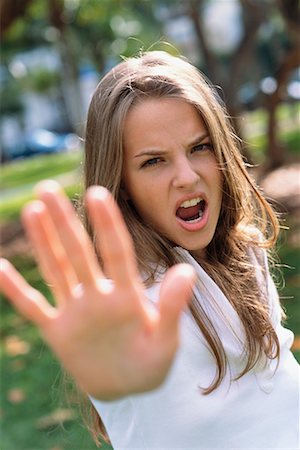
column 170, row 172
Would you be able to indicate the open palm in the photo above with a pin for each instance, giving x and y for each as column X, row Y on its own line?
column 102, row 328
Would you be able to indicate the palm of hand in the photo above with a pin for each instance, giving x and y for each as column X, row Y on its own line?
column 104, row 333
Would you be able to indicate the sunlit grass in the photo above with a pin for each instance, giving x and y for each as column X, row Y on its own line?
column 10, row 207
column 31, row 170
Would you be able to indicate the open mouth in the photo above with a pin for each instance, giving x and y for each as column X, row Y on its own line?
column 192, row 210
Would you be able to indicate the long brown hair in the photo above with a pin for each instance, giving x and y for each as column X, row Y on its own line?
column 246, row 219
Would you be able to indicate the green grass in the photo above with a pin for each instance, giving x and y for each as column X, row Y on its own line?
column 31, row 170
column 18, row 179
column 290, row 282
column 10, row 208
column 37, row 375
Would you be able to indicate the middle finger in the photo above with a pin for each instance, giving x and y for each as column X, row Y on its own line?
column 113, row 238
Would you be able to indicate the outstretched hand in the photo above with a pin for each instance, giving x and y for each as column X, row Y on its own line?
column 101, row 329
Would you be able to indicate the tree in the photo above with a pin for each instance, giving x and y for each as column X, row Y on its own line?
column 83, row 31
column 231, row 70
column 253, row 15
column 291, row 60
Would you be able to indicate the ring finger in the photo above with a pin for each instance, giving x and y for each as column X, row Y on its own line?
column 53, row 261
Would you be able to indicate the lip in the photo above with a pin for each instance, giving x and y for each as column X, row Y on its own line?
column 200, row 223
column 189, row 197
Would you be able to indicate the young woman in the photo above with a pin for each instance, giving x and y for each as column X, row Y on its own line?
column 170, row 322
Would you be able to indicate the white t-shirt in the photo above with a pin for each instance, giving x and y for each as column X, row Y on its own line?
column 258, row 411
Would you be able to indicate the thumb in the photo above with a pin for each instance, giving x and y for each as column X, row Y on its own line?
column 175, row 293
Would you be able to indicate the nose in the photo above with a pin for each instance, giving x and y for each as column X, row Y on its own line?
column 185, row 176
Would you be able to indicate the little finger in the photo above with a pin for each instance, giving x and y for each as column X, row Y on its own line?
column 27, row 300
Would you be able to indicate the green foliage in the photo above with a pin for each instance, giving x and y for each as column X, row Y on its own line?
column 41, row 80
column 11, row 102
column 292, row 141
column 288, row 125
column 90, row 26
column 28, row 31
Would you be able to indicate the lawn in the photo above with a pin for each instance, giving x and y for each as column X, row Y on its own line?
column 19, row 177
column 23, row 172
column 34, row 414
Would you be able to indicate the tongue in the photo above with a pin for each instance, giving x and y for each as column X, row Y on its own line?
column 188, row 213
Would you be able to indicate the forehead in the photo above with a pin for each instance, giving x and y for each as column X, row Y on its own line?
column 160, row 119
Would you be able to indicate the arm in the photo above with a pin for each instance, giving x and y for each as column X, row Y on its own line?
column 101, row 330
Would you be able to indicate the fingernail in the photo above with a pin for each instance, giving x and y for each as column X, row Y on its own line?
column 98, row 192
column 47, row 186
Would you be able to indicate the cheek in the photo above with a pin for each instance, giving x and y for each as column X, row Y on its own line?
column 213, row 174
column 217, row 175
column 148, row 200
column 130, row 184
column 144, row 187
column 216, row 184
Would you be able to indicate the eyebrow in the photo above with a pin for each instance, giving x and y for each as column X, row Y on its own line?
column 150, row 153
column 198, row 139
column 153, row 152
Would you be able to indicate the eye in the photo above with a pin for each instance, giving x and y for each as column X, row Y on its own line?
column 151, row 162
column 202, row 147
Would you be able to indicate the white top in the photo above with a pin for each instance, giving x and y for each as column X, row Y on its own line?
column 258, row 411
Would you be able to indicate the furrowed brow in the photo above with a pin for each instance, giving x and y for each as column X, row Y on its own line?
column 149, row 153
column 199, row 139
column 154, row 152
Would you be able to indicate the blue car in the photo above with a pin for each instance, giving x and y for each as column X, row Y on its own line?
column 42, row 141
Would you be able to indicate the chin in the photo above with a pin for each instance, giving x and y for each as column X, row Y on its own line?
column 198, row 251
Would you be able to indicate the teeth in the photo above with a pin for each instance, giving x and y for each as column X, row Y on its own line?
column 192, row 202
column 197, row 219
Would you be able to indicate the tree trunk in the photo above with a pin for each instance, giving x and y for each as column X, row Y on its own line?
column 253, row 16
column 70, row 76
column 275, row 151
column 210, row 61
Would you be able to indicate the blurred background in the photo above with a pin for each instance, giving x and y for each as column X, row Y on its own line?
column 53, row 55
